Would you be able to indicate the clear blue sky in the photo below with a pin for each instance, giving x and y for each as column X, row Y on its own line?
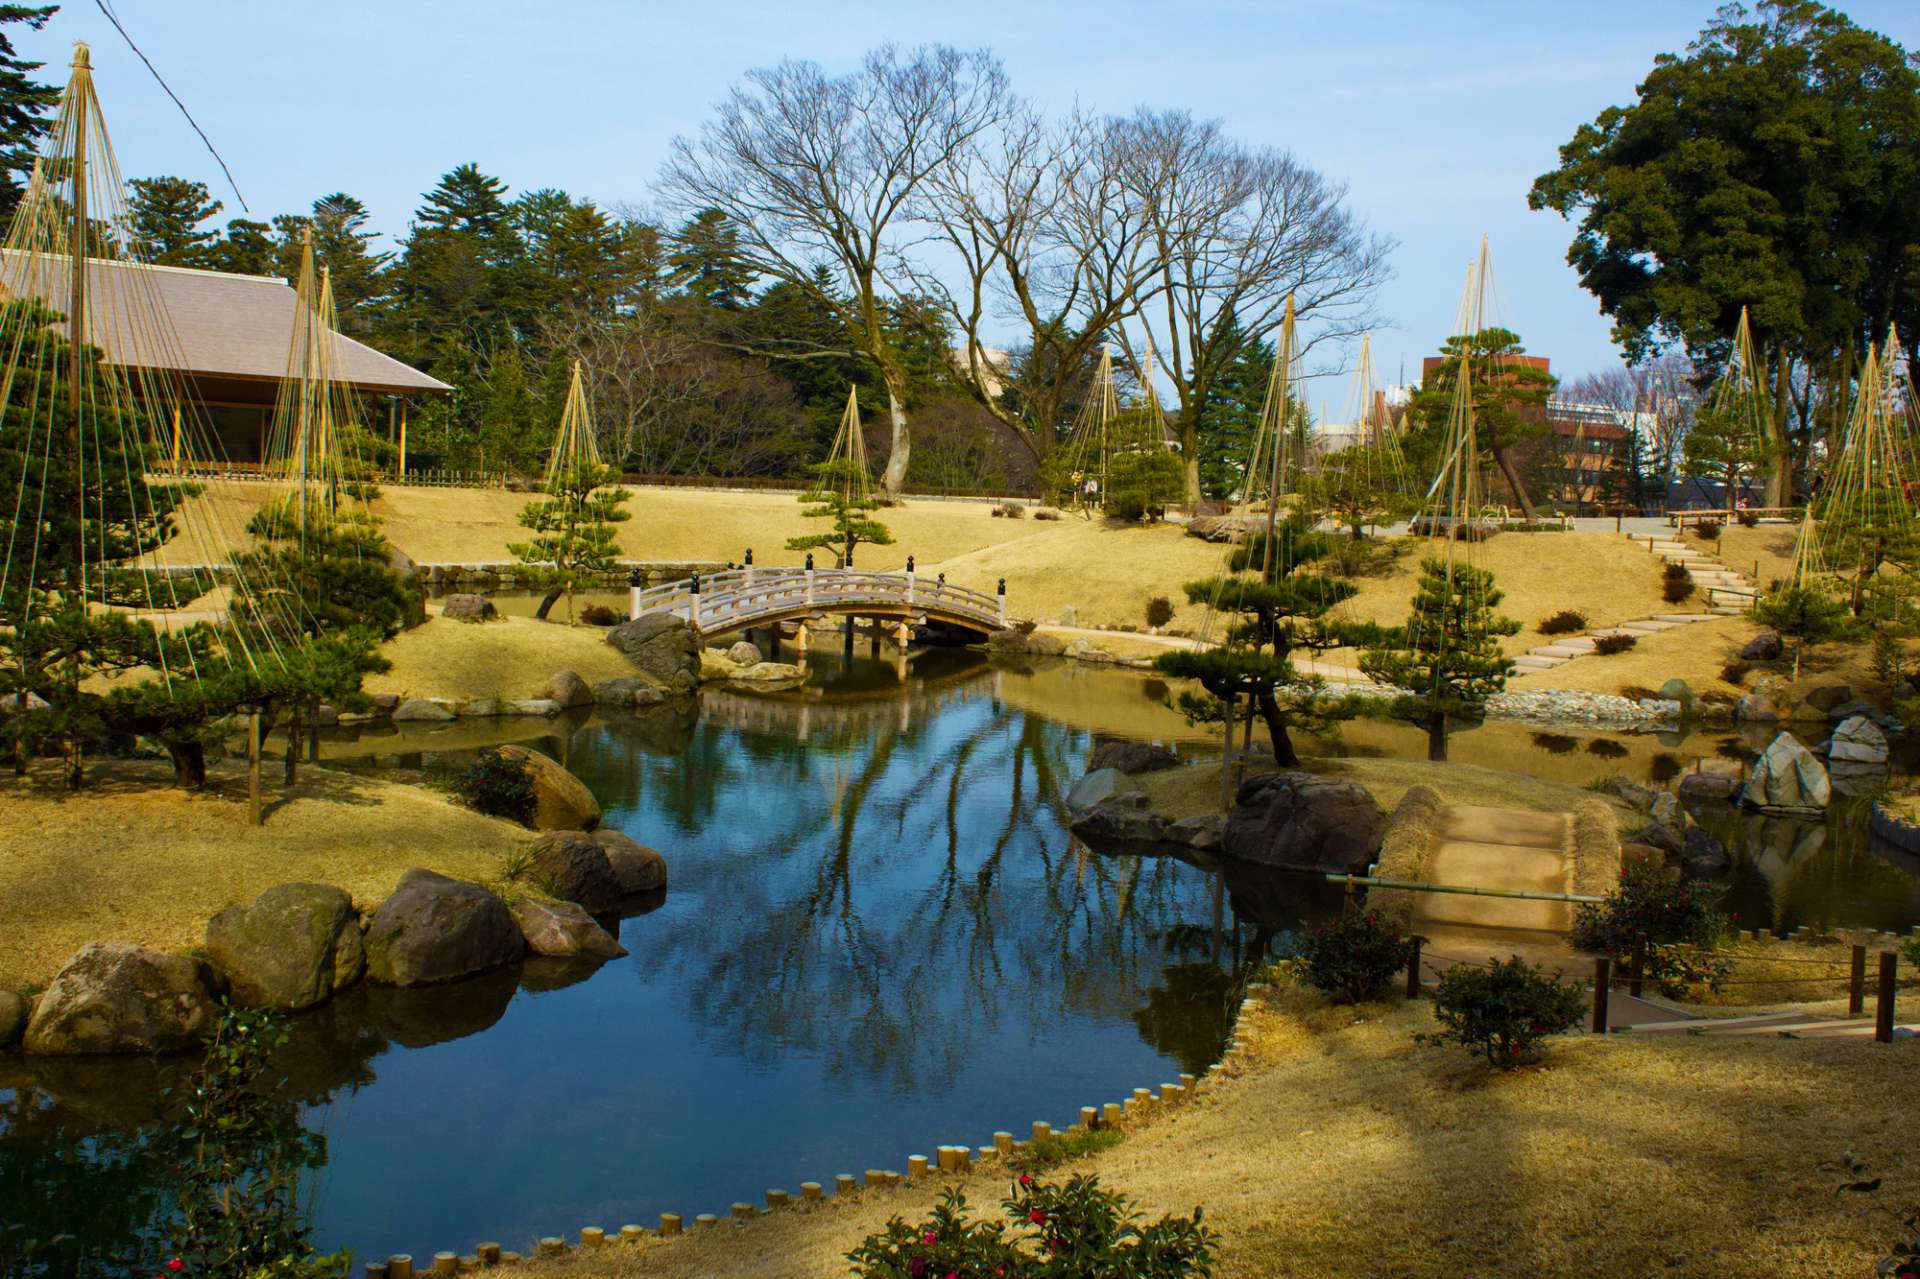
column 1437, row 115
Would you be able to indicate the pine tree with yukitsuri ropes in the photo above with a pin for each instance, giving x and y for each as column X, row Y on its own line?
column 1447, row 658
column 1281, row 613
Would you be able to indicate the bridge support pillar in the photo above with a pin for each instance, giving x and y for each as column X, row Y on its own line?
column 801, row 634
column 903, row 635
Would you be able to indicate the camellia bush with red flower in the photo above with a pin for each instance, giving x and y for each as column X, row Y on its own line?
column 1354, row 957
column 1504, row 1010
column 1074, row 1231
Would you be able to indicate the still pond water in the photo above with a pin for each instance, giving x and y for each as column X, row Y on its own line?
column 878, row 938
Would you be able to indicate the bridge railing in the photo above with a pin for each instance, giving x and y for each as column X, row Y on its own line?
column 723, row 599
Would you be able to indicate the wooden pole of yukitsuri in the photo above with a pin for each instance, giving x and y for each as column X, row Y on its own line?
column 1883, row 999
column 176, row 437
column 253, row 767
column 403, row 441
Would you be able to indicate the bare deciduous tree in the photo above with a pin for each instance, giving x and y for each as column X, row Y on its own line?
column 815, row 170
column 1235, row 232
column 1659, row 396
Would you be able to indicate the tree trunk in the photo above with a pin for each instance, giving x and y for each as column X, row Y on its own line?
column 1779, row 490
column 1190, row 456
column 1505, row 464
column 895, row 478
column 189, row 763
column 292, row 773
column 1283, row 752
column 1437, row 737
column 546, row 604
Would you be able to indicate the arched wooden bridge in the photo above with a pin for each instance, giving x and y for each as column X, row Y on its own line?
column 742, row 598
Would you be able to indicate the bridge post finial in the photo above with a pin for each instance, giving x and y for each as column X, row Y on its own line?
column 1003, row 601
column 633, row 592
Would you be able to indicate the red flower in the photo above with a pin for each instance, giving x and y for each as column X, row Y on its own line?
column 176, row 1265
column 1037, row 1217
column 1025, row 1180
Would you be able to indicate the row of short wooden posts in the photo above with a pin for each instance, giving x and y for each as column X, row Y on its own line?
column 1886, row 983
column 949, row 1159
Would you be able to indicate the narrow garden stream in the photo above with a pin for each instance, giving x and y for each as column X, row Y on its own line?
column 878, row 938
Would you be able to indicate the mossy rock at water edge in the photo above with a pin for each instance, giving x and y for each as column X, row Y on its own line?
column 435, row 929
column 293, row 947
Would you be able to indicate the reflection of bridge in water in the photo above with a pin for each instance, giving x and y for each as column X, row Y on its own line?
column 800, row 713
column 781, row 598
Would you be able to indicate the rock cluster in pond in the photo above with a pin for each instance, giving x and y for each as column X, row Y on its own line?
column 435, row 929
column 1099, row 786
column 563, row 930
column 573, row 867
column 1132, row 757
column 569, row 690
column 744, row 653
column 1787, row 778
column 13, row 1018
column 1708, row 788
column 422, row 709
column 628, row 692
column 663, row 647
column 636, row 868
column 291, row 948
column 561, row 800
column 1857, row 740
column 468, row 608
column 116, row 998
column 1303, row 821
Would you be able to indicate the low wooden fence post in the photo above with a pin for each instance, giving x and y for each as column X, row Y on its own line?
column 1883, row 1006
column 1413, row 969
column 1602, row 969
column 1857, row 983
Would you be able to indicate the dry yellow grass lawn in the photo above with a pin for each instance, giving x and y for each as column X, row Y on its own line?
column 1695, row 653
column 1342, row 1148
column 131, row 859
column 1604, row 575
column 506, row 657
column 1105, row 572
column 1191, row 791
column 1768, row 547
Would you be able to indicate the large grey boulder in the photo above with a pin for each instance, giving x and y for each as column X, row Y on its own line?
column 636, row 868
column 1857, row 740
column 561, row 800
column 745, row 653
column 570, row 865
column 663, row 646
column 116, row 998
column 1764, row 647
column 1099, row 786
column 1678, row 690
column 569, row 690
column 1121, row 820
column 563, row 929
column 1202, row 833
column 1665, row 838
column 1787, row 778
column 1132, row 757
column 436, row 929
column 13, row 1018
column 1631, row 793
column 423, row 709
column 467, row 608
column 1703, row 856
column 769, row 673
column 628, row 692
column 1828, row 696
column 292, row 948
column 1756, row 708
column 1708, row 788
column 1303, row 821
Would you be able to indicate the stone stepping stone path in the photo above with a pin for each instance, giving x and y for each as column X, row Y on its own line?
column 1728, row 594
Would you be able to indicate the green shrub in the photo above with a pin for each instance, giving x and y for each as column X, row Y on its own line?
column 1505, row 1010
column 1608, row 645
column 1059, row 1232
column 1910, row 951
column 1565, row 622
column 1676, row 584
column 499, row 786
column 1352, row 958
column 1748, row 519
column 1680, row 969
column 1057, row 1148
column 1159, row 611
column 1046, row 513
column 601, row 615
column 1709, row 530
column 1666, row 911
